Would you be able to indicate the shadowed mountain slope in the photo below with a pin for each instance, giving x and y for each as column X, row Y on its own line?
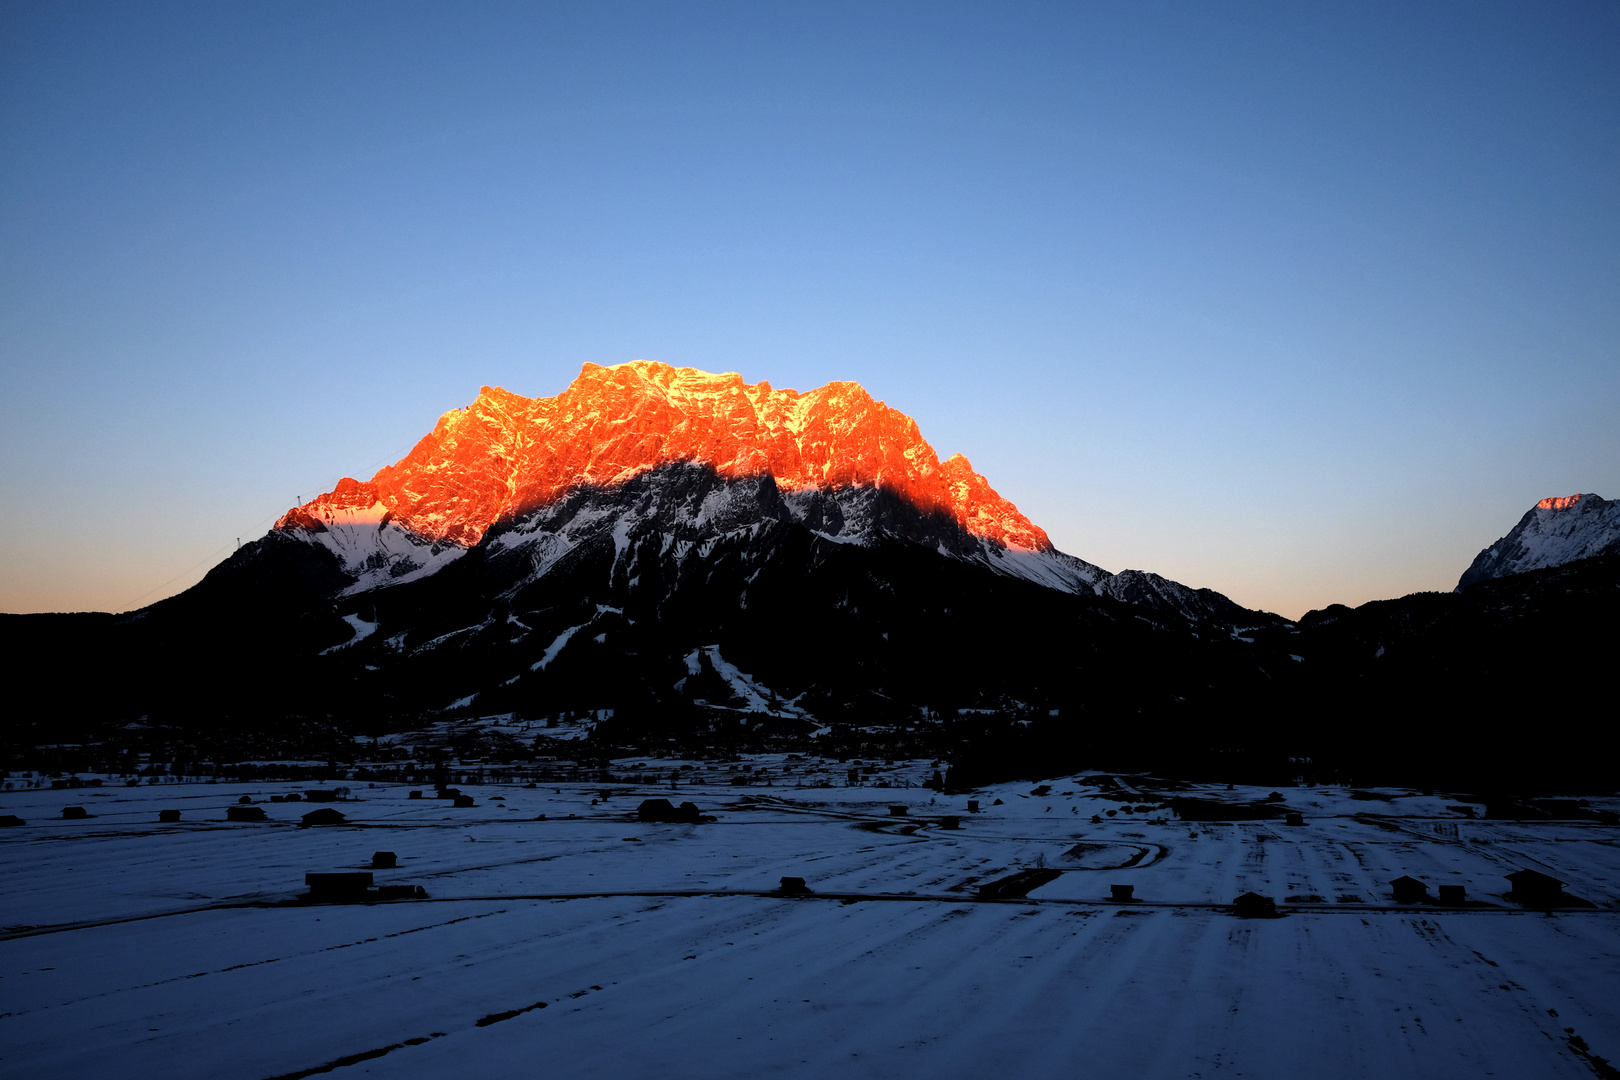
column 686, row 561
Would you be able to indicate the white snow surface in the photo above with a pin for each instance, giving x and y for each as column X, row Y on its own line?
column 1054, row 569
column 754, row 696
column 376, row 550
column 556, row 647
column 590, row 944
column 732, row 511
column 362, row 630
column 1551, row 536
column 561, row 640
column 692, row 521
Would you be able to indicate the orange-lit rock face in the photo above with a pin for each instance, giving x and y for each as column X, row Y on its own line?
column 1558, row 502
column 505, row 455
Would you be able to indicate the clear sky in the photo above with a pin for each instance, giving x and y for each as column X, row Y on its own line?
column 1301, row 302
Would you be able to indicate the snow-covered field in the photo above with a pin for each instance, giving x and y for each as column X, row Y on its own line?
column 589, row 944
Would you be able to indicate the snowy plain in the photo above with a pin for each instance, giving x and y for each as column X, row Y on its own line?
column 591, row 944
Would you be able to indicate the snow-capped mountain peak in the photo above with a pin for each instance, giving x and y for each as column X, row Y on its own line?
column 505, row 458
column 694, row 456
column 1557, row 530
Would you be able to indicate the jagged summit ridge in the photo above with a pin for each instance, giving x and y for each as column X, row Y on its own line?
column 644, row 448
column 506, row 459
column 506, row 455
column 1557, row 530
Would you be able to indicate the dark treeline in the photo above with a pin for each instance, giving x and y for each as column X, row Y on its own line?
column 887, row 651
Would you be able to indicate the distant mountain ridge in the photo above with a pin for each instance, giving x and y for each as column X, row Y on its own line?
column 1557, row 530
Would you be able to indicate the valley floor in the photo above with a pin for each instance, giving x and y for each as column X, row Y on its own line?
column 590, row 944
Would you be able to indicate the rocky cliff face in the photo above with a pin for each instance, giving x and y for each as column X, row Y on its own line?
column 506, row 455
column 1557, row 530
column 832, row 457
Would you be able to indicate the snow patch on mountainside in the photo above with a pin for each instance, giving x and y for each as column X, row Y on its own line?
column 371, row 546
column 1053, row 568
column 1149, row 590
column 693, row 510
column 556, row 647
column 1555, row 531
column 362, row 630
column 754, row 697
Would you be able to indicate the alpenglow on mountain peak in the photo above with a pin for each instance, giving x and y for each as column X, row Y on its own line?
column 1557, row 530
column 645, row 450
column 506, row 455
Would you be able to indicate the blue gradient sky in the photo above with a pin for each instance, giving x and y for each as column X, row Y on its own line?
column 1303, row 305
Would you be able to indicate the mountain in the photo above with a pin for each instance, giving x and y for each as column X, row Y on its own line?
column 664, row 559
column 545, row 476
column 1557, row 530
column 654, row 553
